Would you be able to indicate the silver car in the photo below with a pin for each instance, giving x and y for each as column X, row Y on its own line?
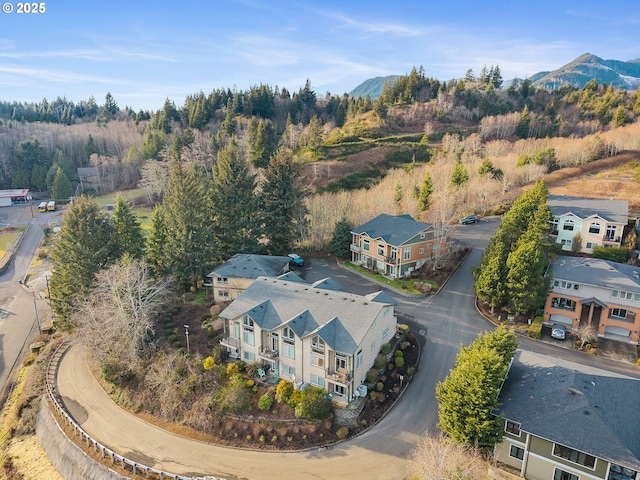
column 559, row 332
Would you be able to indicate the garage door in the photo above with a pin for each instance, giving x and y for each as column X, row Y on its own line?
column 617, row 331
column 562, row 319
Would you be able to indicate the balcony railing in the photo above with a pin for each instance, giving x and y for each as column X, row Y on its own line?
column 611, row 239
column 268, row 354
column 230, row 342
column 354, row 248
column 392, row 260
column 339, row 376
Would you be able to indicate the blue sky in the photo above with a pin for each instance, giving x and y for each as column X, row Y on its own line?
column 143, row 52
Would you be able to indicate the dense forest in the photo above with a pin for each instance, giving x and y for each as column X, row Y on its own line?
column 472, row 127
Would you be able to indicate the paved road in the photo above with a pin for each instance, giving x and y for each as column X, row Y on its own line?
column 450, row 319
column 17, row 311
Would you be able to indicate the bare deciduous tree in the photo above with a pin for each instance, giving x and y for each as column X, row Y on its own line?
column 439, row 458
column 586, row 333
column 116, row 320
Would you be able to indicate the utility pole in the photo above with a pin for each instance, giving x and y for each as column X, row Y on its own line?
column 186, row 332
column 35, row 306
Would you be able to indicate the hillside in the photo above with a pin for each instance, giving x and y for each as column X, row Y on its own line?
column 625, row 75
column 372, row 87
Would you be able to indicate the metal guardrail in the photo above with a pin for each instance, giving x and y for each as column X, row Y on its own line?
column 126, row 463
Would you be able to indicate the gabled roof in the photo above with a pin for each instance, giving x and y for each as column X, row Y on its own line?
column 394, row 230
column 343, row 317
column 598, row 272
column 381, row 297
column 585, row 408
column 328, row 284
column 291, row 277
column 246, row 265
column 616, row 211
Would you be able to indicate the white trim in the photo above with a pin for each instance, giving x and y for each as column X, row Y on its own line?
column 563, row 466
column 595, row 463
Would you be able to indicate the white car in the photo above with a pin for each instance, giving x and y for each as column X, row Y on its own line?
column 558, row 332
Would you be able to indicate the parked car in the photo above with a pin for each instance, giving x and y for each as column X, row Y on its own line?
column 296, row 260
column 469, row 219
column 558, row 332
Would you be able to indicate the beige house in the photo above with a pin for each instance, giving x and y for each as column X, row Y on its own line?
column 308, row 334
column 236, row 274
column 397, row 245
column 596, row 292
column 568, row 421
column 596, row 222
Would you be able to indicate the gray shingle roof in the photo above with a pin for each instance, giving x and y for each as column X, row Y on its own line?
column 245, row 265
column 598, row 272
column 394, row 230
column 611, row 210
column 343, row 317
column 328, row 284
column 581, row 407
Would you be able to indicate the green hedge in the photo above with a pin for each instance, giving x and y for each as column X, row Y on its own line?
column 535, row 330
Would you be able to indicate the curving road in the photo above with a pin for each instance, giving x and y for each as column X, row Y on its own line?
column 450, row 319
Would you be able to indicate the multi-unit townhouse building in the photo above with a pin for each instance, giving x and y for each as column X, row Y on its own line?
column 236, row 274
column 310, row 334
column 396, row 245
column 600, row 293
column 599, row 222
column 567, row 421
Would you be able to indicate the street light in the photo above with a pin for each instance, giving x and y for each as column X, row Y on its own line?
column 186, row 332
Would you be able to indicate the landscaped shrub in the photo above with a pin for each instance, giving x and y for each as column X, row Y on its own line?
column 242, row 365
column 381, row 397
column 343, row 432
column 373, row 395
column 294, row 398
column 386, row 348
column 398, row 353
column 399, row 362
column 233, row 369
column 250, row 383
column 404, row 345
column 379, row 386
column 314, row 404
column 252, row 368
column 535, row 329
column 284, row 391
column 208, row 363
column 220, row 354
column 372, row 375
column 265, row 402
column 380, row 361
column 588, row 346
column 411, row 371
column 403, row 329
column 234, row 396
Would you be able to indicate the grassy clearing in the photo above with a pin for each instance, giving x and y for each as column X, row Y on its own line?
column 405, row 285
column 198, row 298
column 8, row 236
column 131, row 195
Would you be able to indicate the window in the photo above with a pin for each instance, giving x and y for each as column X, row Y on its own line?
column 594, row 228
column 317, row 359
column 589, row 245
column 339, row 390
column 288, row 351
column 562, row 475
column 223, row 293
column 622, row 295
column 222, row 280
column 317, row 380
column 381, row 250
column 421, row 251
column 385, row 333
column 512, row 427
column 288, row 370
column 621, row 473
column 249, row 356
column 554, row 226
column 568, row 225
column 574, row 456
column 317, row 344
column 365, row 245
column 618, row 313
column 611, row 232
column 373, row 345
column 407, row 253
column 566, row 285
column 247, row 331
column 359, row 359
column 516, row 452
column 422, row 235
column 341, row 362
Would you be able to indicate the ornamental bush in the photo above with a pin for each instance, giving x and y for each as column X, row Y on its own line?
column 265, row 402
column 399, row 362
column 535, row 329
column 284, row 391
column 343, row 432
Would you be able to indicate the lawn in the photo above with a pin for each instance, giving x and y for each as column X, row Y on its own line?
column 405, row 285
column 8, row 236
column 110, row 198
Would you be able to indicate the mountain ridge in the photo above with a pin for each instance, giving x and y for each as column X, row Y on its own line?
column 577, row 73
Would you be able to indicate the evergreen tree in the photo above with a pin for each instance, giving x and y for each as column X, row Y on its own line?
column 496, row 77
column 526, row 282
column 284, row 210
column 424, row 198
column 189, row 242
column 263, row 141
column 620, row 117
column 486, row 167
column 61, row 188
column 491, row 277
column 110, row 105
column 314, row 133
column 157, row 243
column 83, row 246
column 128, row 238
column 468, row 397
column 636, row 105
column 380, row 108
column 237, row 228
column 340, row 244
column 522, row 130
column 459, row 176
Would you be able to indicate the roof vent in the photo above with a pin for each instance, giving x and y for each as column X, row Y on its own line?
column 636, row 275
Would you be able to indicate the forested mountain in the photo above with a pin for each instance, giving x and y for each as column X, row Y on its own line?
column 373, row 86
column 587, row 67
